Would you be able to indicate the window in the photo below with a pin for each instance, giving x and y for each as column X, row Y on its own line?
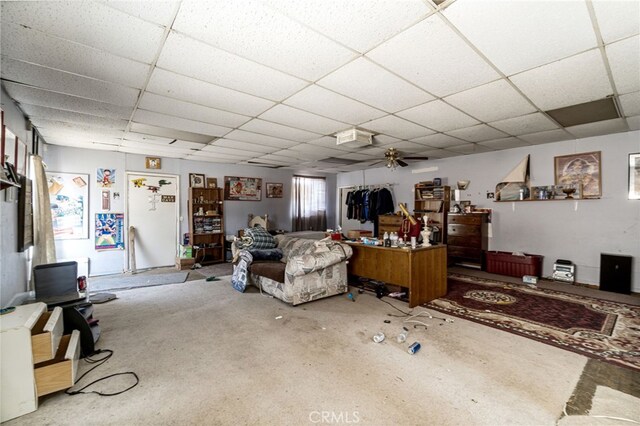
column 309, row 203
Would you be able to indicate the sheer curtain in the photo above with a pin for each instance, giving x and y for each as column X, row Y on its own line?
column 44, row 249
column 309, row 203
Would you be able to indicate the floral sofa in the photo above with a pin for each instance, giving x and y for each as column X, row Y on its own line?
column 308, row 270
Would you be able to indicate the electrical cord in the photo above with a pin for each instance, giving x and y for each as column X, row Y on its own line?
column 98, row 363
column 564, row 411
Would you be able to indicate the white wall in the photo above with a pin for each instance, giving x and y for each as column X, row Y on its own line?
column 65, row 159
column 576, row 230
column 14, row 266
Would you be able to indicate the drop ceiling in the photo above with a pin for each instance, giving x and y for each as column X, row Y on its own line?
column 271, row 82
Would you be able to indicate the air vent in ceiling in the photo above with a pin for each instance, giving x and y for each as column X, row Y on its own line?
column 588, row 112
column 358, row 137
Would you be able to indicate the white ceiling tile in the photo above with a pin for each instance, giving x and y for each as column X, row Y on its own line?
column 375, row 152
column 294, row 117
column 71, row 135
column 210, row 159
column 46, row 124
column 323, row 102
column 169, row 133
column 255, row 31
column 71, row 84
column 169, row 121
column 397, row 127
column 439, row 140
column 529, row 123
column 469, row 148
column 634, row 122
column 188, row 89
column 356, row 156
column 293, row 154
column 214, row 152
column 624, row 58
column 83, row 144
column 314, row 149
column 493, row 101
column 330, row 142
column 380, row 88
column 196, row 59
column 575, row 80
column 239, row 153
column 359, row 24
column 155, row 149
column 598, row 128
column 439, row 116
column 257, row 138
column 34, row 96
column 439, row 153
column 519, row 35
column 617, row 19
column 434, row 57
column 546, row 136
column 407, row 147
column 39, row 48
column 478, row 133
column 158, row 140
column 630, row 103
column 384, row 139
column 278, row 130
column 72, row 117
column 282, row 159
column 504, row 143
column 161, row 13
column 250, row 147
column 157, row 103
column 89, row 23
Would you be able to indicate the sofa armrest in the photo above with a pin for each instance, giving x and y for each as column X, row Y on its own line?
column 307, row 263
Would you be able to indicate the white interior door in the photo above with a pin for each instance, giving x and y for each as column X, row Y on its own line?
column 153, row 209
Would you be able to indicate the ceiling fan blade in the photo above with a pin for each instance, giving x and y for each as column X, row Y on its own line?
column 416, row 158
column 401, row 163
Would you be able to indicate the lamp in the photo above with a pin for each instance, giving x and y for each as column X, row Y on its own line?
column 392, row 163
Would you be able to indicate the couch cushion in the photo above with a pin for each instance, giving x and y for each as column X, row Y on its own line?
column 295, row 247
column 273, row 270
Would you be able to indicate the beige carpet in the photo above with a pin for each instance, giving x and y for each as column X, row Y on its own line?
column 206, row 354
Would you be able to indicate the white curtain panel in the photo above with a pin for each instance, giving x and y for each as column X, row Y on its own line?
column 44, row 248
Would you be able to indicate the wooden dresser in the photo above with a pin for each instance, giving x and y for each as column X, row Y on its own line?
column 388, row 223
column 467, row 239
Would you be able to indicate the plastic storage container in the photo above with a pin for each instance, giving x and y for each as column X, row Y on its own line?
column 504, row 263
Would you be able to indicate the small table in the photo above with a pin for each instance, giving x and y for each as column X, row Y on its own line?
column 423, row 270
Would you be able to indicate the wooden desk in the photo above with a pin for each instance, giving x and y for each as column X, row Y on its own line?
column 423, row 271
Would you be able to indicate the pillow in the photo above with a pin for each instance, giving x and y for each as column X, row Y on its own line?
column 261, row 238
column 267, row 254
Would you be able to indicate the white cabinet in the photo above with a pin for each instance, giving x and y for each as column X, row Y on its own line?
column 35, row 358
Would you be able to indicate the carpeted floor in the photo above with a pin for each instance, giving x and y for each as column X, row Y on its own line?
column 594, row 327
column 131, row 281
column 206, row 354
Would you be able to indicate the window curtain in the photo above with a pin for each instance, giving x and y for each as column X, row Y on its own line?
column 309, row 203
column 44, row 249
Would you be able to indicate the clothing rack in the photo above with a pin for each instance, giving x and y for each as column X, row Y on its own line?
column 376, row 186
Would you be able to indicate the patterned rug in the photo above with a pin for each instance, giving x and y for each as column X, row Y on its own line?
column 609, row 331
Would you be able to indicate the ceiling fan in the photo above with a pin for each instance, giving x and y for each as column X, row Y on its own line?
column 393, row 159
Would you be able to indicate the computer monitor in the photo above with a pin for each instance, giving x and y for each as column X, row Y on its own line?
column 56, row 282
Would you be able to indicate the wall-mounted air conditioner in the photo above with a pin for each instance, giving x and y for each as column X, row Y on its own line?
column 354, row 136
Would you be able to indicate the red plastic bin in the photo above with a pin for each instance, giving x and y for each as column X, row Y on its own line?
column 505, row 263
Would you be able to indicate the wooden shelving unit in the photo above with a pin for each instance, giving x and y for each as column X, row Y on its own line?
column 206, row 224
column 433, row 202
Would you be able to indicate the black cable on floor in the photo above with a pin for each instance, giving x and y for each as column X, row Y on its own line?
column 98, row 363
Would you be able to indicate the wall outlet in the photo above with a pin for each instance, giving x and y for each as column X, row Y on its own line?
column 490, row 195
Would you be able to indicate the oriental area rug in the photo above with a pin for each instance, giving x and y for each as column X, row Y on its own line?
column 609, row 331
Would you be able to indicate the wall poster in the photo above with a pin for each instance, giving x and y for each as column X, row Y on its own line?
column 109, row 234
column 69, row 198
column 242, row 188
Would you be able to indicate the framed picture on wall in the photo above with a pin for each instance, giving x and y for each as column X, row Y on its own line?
column 242, row 188
column 274, row 190
column 196, row 180
column 152, row 162
column 212, row 182
column 634, row 176
column 580, row 170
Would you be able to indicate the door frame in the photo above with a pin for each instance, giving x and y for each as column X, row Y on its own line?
column 126, row 210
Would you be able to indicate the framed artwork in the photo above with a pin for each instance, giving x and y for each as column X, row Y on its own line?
column 634, row 176
column 580, row 170
column 106, row 199
column 69, row 197
column 105, row 178
column 152, row 162
column 196, row 180
column 274, row 190
column 109, row 235
column 242, row 188
column 25, row 215
column 212, row 182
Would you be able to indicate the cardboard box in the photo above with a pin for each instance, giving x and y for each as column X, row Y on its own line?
column 185, row 251
column 183, row 263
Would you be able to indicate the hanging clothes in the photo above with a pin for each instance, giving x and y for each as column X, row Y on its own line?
column 384, row 202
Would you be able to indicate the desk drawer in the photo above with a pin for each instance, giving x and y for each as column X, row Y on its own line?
column 464, row 231
column 465, row 219
column 390, row 220
column 46, row 335
column 60, row 372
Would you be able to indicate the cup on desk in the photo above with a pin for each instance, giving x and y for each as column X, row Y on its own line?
column 414, row 242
